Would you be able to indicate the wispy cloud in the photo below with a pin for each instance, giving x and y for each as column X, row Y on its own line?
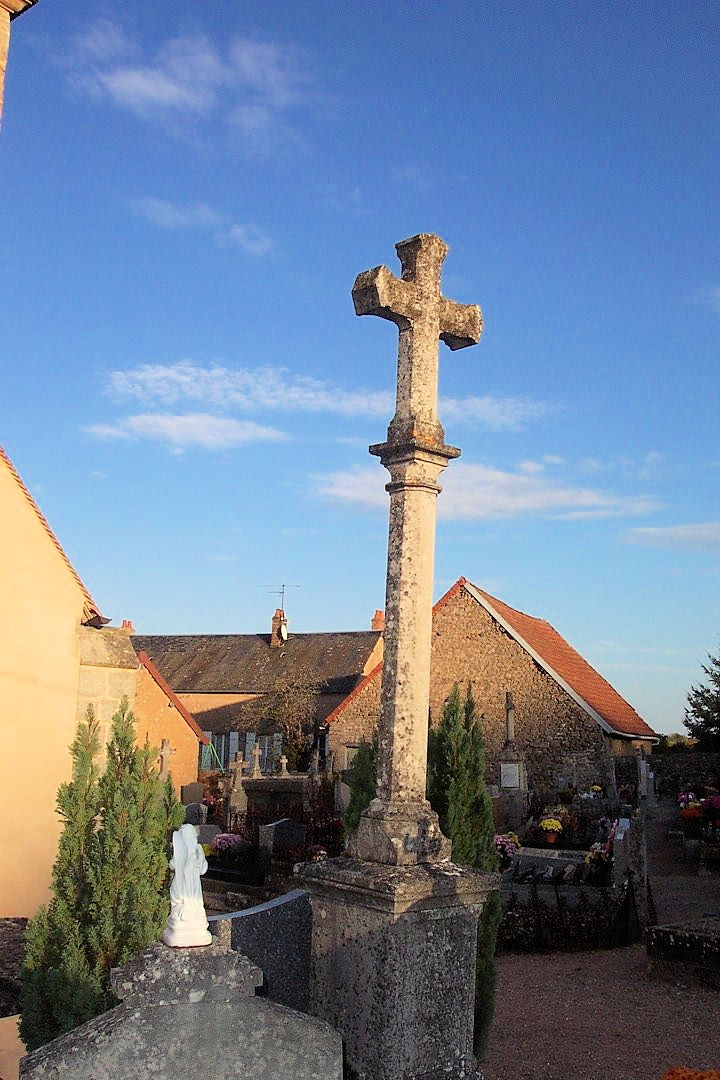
column 168, row 215
column 257, row 87
column 253, row 389
column 194, row 429
column 476, row 492
column 710, row 297
column 703, row 536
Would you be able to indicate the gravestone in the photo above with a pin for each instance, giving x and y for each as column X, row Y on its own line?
column 280, row 835
column 275, row 936
column 394, row 932
column 513, row 772
column 196, row 814
column 191, row 793
column 191, row 1013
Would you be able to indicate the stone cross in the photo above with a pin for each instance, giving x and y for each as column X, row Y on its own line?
column 509, row 719
column 166, row 751
column 399, row 827
column 256, row 770
column 283, row 765
column 236, row 769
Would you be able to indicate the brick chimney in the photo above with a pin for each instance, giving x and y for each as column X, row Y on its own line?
column 128, row 626
column 278, row 629
column 378, row 621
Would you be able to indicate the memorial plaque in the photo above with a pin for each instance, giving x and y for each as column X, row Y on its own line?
column 509, row 774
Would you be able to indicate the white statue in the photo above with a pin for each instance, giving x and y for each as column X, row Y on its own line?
column 187, row 924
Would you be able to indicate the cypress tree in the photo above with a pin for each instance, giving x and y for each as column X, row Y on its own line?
column 363, row 783
column 109, row 880
column 459, row 795
column 60, row 989
column 129, row 869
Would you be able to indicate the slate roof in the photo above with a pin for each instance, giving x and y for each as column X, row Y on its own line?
column 248, row 664
column 92, row 615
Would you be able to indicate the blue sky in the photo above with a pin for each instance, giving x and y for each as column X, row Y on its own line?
column 188, row 194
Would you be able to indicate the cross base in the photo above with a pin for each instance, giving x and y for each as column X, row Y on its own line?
column 399, row 834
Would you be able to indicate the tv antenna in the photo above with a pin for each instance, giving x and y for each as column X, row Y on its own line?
column 281, row 593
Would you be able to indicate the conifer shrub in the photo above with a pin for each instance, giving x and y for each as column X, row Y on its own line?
column 459, row 795
column 109, row 881
column 363, row 783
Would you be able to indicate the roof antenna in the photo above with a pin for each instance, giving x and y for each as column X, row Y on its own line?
column 281, row 593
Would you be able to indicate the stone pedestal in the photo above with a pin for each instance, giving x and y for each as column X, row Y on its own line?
column 393, row 963
column 191, row 1013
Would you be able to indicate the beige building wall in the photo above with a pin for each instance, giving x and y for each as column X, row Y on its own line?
column 156, row 718
column 42, row 605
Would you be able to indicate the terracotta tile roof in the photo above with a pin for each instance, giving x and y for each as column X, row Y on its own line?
column 171, row 696
column 247, row 663
column 566, row 666
column 92, row 615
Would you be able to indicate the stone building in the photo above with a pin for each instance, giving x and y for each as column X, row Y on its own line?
column 227, row 681
column 57, row 656
column 569, row 721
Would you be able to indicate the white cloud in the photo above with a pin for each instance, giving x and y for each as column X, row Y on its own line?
column 167, row 215
column 476, row 492
column 250, row 239
column 494, row 413
column 704, row 536
column 255, row 86
column 252, row 389
column 194, row 429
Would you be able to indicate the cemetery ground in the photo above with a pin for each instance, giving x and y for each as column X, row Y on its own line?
column 561, row 1016
column 597, row 1015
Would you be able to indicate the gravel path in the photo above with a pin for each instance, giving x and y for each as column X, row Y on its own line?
column 597, row 1015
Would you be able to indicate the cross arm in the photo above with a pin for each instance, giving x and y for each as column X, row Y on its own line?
column 379, row 292
column 460, row 324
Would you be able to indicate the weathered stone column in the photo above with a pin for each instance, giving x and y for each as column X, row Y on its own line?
column 9, row 9
column 394, row 931
column 399, row 826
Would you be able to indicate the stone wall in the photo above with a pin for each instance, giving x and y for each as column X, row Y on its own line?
column 108, row 672
column 561, row 743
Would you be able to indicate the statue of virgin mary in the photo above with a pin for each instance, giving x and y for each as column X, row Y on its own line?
column 187, row 924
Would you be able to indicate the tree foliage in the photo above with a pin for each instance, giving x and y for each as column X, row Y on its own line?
column 363, row 783
column 458, row 793
column 293, row 707
column 456, row 783
column 702, row 716
column 109, row 880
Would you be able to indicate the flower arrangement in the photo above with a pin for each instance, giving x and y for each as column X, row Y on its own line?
column 596, row 788
column 507, row 846
column 227, row 843
column 550, row 824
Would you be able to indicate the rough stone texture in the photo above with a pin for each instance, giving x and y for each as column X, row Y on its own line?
column 276, row 936
column 415, row 454
column 556, row 738
column 393, row 957
column 191, row 1013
